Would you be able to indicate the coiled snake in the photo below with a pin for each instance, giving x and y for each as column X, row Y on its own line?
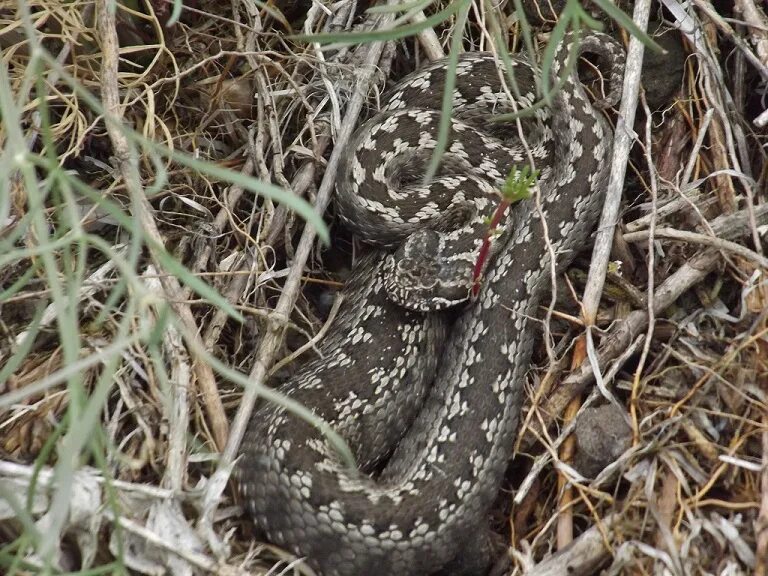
column 432, row 432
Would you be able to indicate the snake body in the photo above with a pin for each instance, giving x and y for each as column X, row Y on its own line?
column 432, row 430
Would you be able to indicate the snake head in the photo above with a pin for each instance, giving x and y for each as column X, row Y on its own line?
column 420, row 276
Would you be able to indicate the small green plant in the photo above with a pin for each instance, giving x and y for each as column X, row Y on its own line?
column 517, row 186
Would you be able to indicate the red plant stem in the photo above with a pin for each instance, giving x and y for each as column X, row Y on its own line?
column 485, row 248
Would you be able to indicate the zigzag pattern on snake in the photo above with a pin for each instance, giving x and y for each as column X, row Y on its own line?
column 432, row 432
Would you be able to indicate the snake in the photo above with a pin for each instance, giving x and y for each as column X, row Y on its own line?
column 423, row 378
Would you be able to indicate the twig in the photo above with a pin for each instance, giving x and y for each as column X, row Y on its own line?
column 46, row 479
column 761, row 525
column 675, row 205
column 583, row 556
column 129, row 169
column 178, row 407
column 128, row 164
column 697, row 238
column 762, row 119
column 724, row 132
column 622, row 142
column 624, row 332
column 151, row 537
column 567, row 450
column 428, row 39
column 175, row 471
column 652, row 176
column 756, row 22
column 525, row 441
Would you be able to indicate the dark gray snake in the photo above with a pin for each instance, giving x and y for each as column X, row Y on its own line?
column 432, row 431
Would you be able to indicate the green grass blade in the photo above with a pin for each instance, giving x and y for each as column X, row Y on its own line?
column 397, row 8
column 625, row 21
column 444, row 129
column 342, row 38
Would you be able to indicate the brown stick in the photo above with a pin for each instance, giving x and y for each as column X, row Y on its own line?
column 129, row 169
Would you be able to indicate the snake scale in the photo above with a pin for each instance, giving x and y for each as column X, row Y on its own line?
column 432, row 427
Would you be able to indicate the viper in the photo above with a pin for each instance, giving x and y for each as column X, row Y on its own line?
column 432, row 426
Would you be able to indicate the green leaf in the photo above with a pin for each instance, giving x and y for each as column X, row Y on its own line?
column 24, row 347
column 396, row 8
column 626, row 22
column 382, row 35
column 548, row 58
column 450, row 82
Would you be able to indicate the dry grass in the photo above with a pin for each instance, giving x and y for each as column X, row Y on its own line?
column 139, row 243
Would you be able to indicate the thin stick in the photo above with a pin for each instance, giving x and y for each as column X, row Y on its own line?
column 703, row 239
column 653, row 177
column 622, row 142
column 428, row 39
column 761, row 525
column 129, row 169
column 584, row 556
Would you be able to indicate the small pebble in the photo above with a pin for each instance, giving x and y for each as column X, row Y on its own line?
column 602, row 435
